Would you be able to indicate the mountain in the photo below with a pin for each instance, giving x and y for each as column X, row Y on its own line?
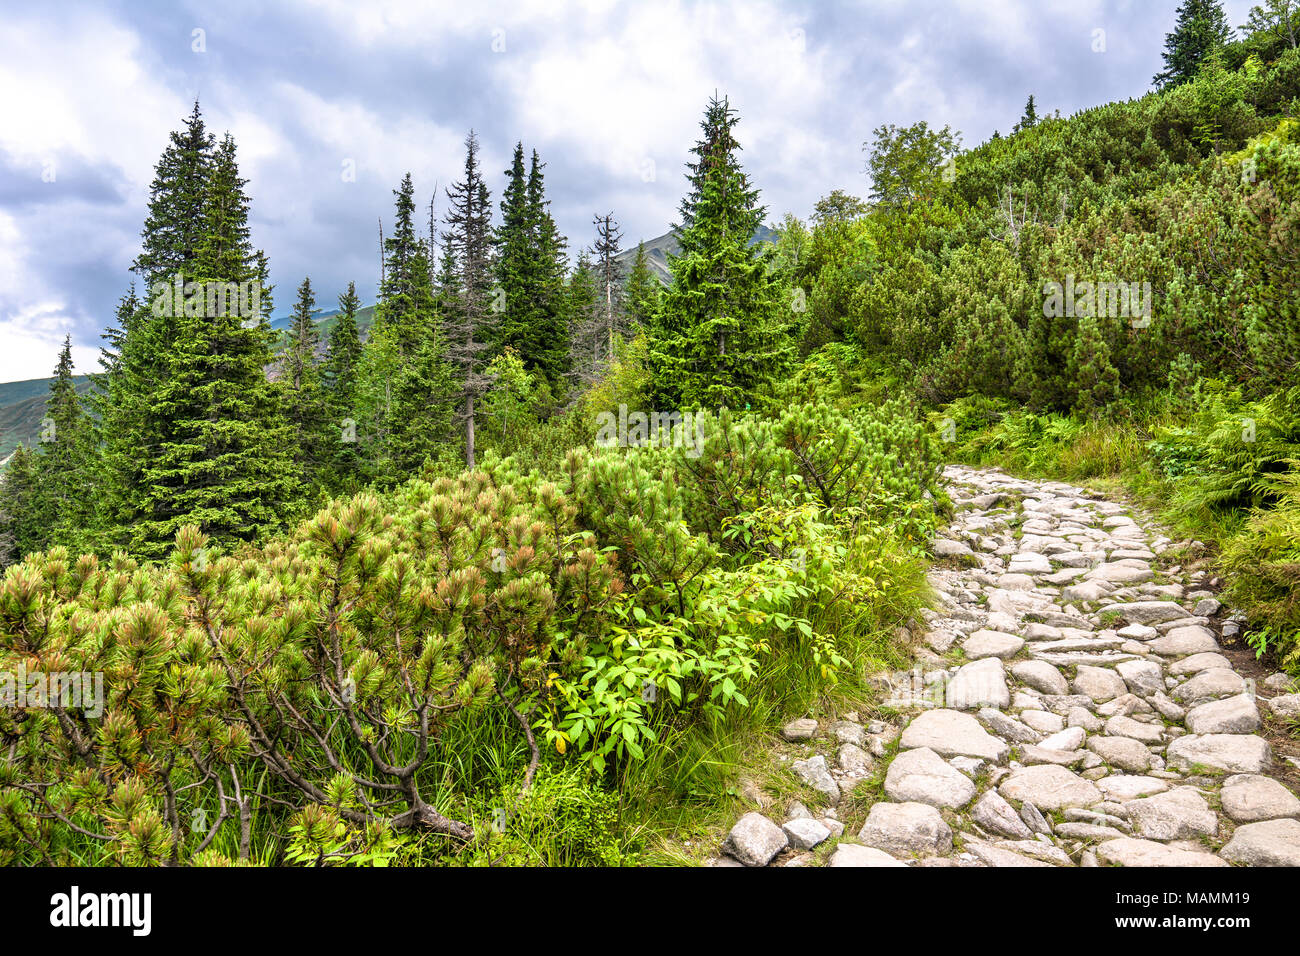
column 22, row 406
column 326, row 320
column 659, row 249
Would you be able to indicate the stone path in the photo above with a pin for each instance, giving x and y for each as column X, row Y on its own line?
column 1089, row 719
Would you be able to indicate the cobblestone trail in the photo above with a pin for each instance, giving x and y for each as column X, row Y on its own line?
column 1091, row 718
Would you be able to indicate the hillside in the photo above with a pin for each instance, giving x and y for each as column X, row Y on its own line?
column 22, row 406
column 661, row 247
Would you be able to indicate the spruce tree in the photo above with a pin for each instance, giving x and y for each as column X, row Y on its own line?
column 192, row 429
column 720, row 334
column 470, row 323
column 1030, row 117
column 606, row 249
column 549, row 339
column 1200, row 31
column 587, row 348
column 641, row 290
column 20, row 533
column 301, row 392
column 339, row 379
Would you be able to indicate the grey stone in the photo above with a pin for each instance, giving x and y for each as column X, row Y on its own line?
column 1098, row 683
column 994, row 814
column 984, row 643
column 1124, row 753
column 1247, row 798
column 991, row 855
column 1268, row 843
column 1008, row 727
column 1238, row 753
column 1071, row 739
column 1149, row 612
column 1083, row 717
column 849, row 732
column 854, row 760
column 755, row 840
column 1199, row 662
column 1049, row 787
column 817, row 775
column 1235, row 715
column 951, row 733
column 1124, row 787
column 906, row 829
column 922, row 776
column 1182, row 641
column 850, row 854
column 801, row 729
column 1178, row 814
column 1042, row 721
column 1128, row 851
column 979, row 684
column 1209, row 685
column 1143, row 678
column 1148, row 733
column 806, row 833
column 1041, row 676
column 1285, row 705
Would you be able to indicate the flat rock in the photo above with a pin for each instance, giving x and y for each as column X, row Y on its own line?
column 1121, row 787
column 1071, row 739
column 755, row 840
column 1268, row 843
column 1209, row 685
column 922, row 776
column 1234, row 715
column 991, row 855
column 1123, row 726
column 985, row 643
column 1124, row 753
column 1129, row 851
column 1008, row 727
column 1143, row 678
column 979, row 684
column 1237, row 753
column 906, row 829
column 801, row 729
column 951, row 733
column 1098, row 683
column 1182, row 641
column 1042, row 721
column 1247, row 798
column 1049, row 787
column 1149, row 612
column 1041, row 676
column 1199, row 662
column 850, row 854
column 1178, row 814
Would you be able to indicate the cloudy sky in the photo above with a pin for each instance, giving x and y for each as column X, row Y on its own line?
column 610, row 94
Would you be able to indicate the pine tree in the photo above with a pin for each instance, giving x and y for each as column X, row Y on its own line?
column 549, row 339
column 192, row 430
column 470, row 323
column 606, row 249
column 720, row 334
column 339, row 378
column 587, row 346
column 1200, row 31
column 1095, row 379
column 405, row 378
column 302, row 394
column 641, row 290
column 20, row 533
column 1030, row 117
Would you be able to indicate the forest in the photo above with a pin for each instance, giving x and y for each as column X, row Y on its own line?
column 524, row 570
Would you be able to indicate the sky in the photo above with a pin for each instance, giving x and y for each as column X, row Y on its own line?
column 331, row 101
